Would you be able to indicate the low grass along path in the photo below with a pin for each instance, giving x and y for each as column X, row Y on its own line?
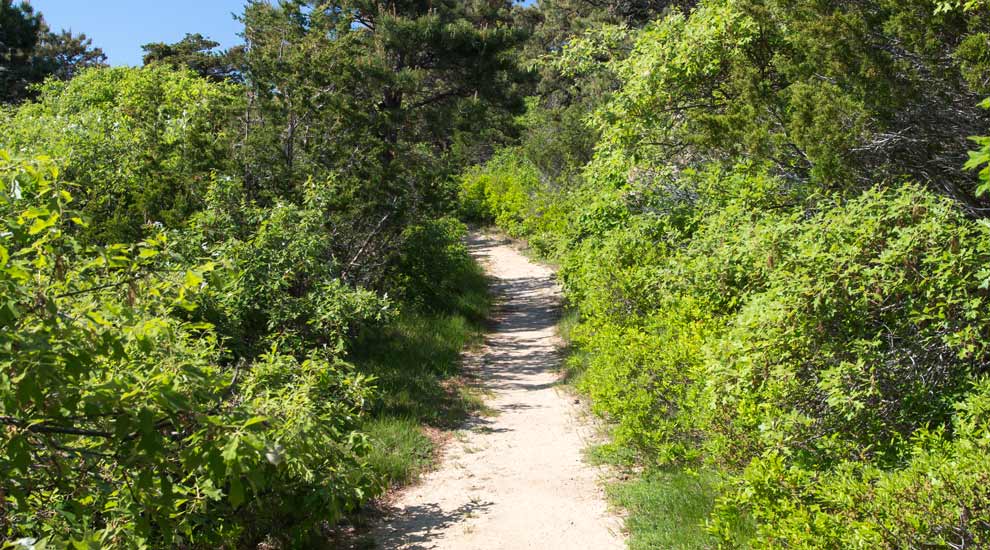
column 514, row 477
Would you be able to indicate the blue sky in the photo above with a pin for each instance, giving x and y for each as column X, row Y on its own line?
column 120, row 27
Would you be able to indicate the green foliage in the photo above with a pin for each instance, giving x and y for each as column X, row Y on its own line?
column 416, row 361
column 868, row 330
column 280, row 281
column 937, row 500
column 19, row 30
column 399, row 450
column 414, row 77
column 819, row 340
column 509, row 191
column 434, row 271
column 123, row 426
column 411, row 359
column 64, row 55
column 500, row 191
column 644, row 379
column 824, row 93
column 903, row 510
column 980, row 160
column 416, row 358
column 188, row 387
column 141, row 144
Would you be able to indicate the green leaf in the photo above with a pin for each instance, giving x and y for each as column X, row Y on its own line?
column 40, row 225
column 192, row 279
column 19, row 454
column 35, row 212
column 254, row 421
column 99, row 319
column 9, row 312
column 236, row 494
column 976, row 159
column 211, row 492
column 230, row 450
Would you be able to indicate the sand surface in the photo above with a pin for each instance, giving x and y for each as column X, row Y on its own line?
column 514, row 479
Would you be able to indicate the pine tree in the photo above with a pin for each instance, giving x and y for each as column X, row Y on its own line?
column 198, row 53
column 19, row 32
column 375, row 96
column 64, row 54
column 30, row 52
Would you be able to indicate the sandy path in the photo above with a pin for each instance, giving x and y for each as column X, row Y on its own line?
column 516, row 479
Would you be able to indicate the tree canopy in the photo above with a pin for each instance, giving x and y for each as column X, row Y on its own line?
column 199, row 54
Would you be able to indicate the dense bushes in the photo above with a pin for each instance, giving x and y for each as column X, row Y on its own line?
column 808, row 353
column 142, row 145
column 124, row 422
column 766, row 226
column 500, row 191
column 433, row 269
column 280, row 282
column 191, row 388
column 188, row 265
column 842, row 96
column 761, row 292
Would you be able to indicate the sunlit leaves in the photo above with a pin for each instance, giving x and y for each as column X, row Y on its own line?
column 138, row 144
column 105, row 372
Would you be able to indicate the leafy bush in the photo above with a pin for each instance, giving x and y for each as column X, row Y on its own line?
column 500, row 191
column 939, row 499
column 140, row 144
column 123, row 424
column 870, row 328
column 193, row 376
column 281, row 281
column 821, row 346
column 433, row 269
column 510, row 192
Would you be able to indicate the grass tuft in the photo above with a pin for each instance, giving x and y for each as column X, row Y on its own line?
column 667, row 509
column 417, row 361
column 400, row 449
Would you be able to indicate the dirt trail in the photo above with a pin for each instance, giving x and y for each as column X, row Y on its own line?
column 515, row 479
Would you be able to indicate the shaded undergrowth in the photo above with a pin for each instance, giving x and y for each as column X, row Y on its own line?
column 416, row 361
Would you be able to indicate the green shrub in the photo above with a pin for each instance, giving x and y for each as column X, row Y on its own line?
column 643, row 379
column 433, row 270
column 280, row 279
column 939, row 499
column 500, row 191
column 123, row 426
column 804, row 352
column 761, row 291
column 871, row 327
column 140, row 144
